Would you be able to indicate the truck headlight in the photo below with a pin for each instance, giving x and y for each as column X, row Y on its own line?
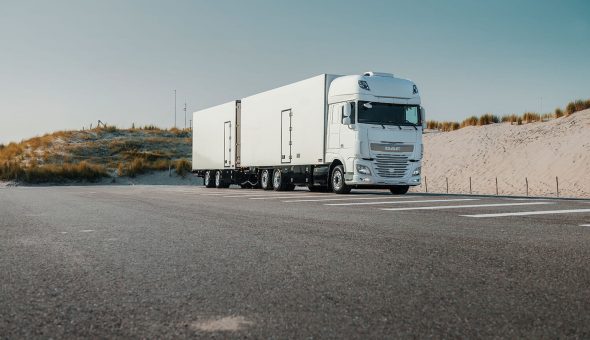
column 416, row 171
column 363, row 169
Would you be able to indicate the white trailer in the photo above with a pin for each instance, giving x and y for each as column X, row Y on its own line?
column 328, row 132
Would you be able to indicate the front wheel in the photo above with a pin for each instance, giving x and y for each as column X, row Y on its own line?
column 399, row 189
column 338, row 184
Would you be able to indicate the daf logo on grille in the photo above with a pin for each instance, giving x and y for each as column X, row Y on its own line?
column 392, row 148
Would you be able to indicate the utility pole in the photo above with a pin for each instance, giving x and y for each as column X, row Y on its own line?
column 185, row 114
column 174, row 108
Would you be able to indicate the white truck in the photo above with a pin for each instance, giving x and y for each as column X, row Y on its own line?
column 328, row 132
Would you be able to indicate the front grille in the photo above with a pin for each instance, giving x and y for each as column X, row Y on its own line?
column 391, row 166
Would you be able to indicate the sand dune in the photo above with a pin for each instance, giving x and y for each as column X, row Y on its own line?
column 539, row 152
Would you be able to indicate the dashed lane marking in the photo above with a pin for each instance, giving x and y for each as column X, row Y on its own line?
column 467, row 206
column 266, row 195
column 584, row 225
column 86, row 231
column 404, row 202
column 380, row 197
column 527, row 213
column 280, row 197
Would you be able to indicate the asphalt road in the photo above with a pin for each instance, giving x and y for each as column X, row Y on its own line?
column 170, row 262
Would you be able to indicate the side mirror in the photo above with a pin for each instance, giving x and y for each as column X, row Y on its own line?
column 423, row 117
column 346, row 121
column 347, row 111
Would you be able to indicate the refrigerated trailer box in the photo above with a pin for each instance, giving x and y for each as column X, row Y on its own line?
column 214, row 137
column 325, row 132
column 286, row 125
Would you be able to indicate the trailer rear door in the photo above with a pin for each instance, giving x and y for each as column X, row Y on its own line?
column 227, row 145
column 286, row 142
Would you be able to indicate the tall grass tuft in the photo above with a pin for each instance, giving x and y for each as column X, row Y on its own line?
column 509, row 119
column 529, row 117
column 471, row 121
column 183, row 167
column 558, row 113
column 487, row 119
column 577, row 105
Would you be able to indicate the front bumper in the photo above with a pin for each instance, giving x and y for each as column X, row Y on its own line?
column 374, row 179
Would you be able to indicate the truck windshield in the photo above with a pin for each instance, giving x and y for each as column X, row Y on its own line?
column 388, row 114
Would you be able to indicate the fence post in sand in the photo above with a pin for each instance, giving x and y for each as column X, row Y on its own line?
column 426, row 184
column 496, row 186
column 527, row 186
column 447, row 184
column 557, row 185
column 470, row 192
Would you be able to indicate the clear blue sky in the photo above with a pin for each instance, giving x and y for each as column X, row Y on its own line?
column 65, row 64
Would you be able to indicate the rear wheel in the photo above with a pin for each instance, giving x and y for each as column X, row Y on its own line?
column 266, row 180
column 207, row 180
column 338, row 184
column 399, row 189
column 219, row 182
column 278, row 180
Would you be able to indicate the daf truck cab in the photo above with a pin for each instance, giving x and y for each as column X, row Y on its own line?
column 375, row 125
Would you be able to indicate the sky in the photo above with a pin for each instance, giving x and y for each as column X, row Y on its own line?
column 68, row 64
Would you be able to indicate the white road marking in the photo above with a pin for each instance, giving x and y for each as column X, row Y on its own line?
column 63, row 232
column 584, row 225
column 381, row 197
column 263, row 195
column 526, row 213
column 405, row 202
column 86, row 231
column 279, row 197
column 467, row 206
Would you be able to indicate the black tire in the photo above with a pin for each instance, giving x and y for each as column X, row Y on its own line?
column 278, row 181
column 207, row 180
column 266, row 179
column 399, row 189
column 337, row 179
column 220, row 182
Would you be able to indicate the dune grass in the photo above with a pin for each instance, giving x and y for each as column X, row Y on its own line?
column 91, row 154
column 525, row 118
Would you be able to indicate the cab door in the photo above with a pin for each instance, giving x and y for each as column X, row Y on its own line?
column 334, row 123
